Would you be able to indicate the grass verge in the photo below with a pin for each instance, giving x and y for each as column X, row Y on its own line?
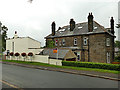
column 66, row 67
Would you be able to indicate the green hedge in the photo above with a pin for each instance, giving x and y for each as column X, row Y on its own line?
column 92, row 65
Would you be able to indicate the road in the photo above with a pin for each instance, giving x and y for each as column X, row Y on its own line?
column 35, row 78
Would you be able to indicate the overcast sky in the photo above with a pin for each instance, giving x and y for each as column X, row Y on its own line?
column 34, row 19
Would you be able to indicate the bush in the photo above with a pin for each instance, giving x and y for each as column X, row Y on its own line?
column 23, row 54
column 117, row 58
column 92, row 65
column 30, row 54
column 17, row 54
column 11, row 54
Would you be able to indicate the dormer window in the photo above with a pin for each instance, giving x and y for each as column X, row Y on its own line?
column 107, row 41
column 79, row 27
column 95, row 28
column 85, row 41
column 75, row 41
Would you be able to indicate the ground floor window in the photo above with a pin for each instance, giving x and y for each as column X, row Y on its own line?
column 108, row 57
column 78, row 55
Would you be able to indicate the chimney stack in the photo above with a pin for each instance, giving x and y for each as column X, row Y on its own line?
column 72, row 24
column 15, row 35
column 59, row 28
column 90, row 22
column 112, row 25
column 53, row 28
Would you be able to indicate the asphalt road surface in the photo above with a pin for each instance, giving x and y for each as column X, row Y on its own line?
column 35, row 78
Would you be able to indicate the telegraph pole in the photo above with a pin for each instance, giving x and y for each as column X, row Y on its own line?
column 0, row 40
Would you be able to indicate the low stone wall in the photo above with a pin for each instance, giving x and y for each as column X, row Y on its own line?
column 37, row 58
column 2, row 57
column 55, row 62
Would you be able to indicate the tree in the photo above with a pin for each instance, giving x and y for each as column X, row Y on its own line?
column 117, row 44
column 50, row 44
column 30, row 54
column 17, row 54
column 4, row 37
column 11, row 54
column 3, row 34
column 24, row 55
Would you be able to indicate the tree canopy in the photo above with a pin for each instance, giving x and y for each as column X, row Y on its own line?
column 117, row 44
column 3, row 36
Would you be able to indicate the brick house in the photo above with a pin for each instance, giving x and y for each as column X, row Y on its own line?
column 90, row 41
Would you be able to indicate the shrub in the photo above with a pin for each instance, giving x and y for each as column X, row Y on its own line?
column 117, row 58
column 17, row 54
column 92, row 65
column 23, row 54
column 11, row 54
column 30, row 54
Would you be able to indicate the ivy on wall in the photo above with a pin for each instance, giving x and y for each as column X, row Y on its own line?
column 50, row 44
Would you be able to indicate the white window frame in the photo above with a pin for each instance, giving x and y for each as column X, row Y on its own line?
column 56, row 43
column 108, row 57
column 75, row 41
column 63, row 42
column 85, row 41
column 60, row 43
column 78, row 56
column 107, row 41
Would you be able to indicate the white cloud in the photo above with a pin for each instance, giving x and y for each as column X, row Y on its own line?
column 34, row 19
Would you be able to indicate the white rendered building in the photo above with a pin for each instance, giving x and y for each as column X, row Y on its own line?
column 22, row 44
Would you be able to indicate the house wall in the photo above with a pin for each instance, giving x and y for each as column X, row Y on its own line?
column 110, row 48
column 69, row 41
column 36, row 51
column 33, row 43
column 22, row 45
column 95, row 50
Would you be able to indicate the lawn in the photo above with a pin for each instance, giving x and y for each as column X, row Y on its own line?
column 67, row 67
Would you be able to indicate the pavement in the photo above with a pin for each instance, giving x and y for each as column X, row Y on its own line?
column 109, row 76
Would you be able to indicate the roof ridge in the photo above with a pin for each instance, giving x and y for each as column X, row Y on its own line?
column 75, row 24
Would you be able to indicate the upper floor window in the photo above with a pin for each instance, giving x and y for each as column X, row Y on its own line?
column 63, row 42
column 59, row 43
column 85, row 41
column 75, row 41
column 108, row 42
column 56, row 42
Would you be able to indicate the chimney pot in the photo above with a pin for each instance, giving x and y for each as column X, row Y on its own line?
column 90, row 22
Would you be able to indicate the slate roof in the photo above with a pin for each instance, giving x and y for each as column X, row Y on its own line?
column 80, row 29
column 61, row 53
